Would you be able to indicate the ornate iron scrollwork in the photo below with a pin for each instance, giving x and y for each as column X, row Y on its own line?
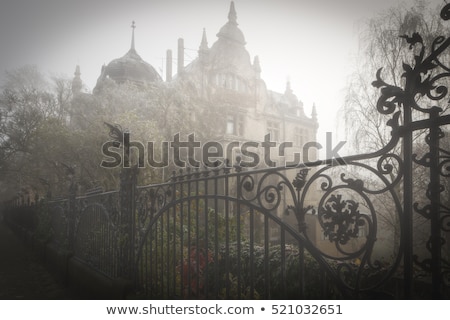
column 340, row 219
column 426, row 77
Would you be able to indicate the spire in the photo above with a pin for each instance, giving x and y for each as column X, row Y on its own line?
column 77, row 84
column 288, row 88
column 132, row 52
column 203, row 49
column 314, row 112
column 230, row 31
column 133, row 26
column 232, row 16
column 77, row 71
column 204, row 43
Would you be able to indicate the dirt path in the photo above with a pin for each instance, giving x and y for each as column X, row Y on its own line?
column 22, row 274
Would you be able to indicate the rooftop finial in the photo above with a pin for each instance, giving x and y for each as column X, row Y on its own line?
column 77, row 71
column 204, row 43
column 133, row 26
column 232, row 16
column 314, row 111
column 203, row 49
column 288, row 90
column 77, row 84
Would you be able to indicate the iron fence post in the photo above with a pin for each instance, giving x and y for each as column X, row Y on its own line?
column 126, row 241
column 71, row 214
column 407, row 205
column 435, row 198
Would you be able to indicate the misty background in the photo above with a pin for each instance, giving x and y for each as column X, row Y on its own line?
column 312, row 44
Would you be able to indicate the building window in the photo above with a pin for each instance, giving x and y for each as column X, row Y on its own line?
column 231, row 125
column 222, row 80
column 273, row 128
column 217, row 80
column 230, row 82
column 227, row 81
column 299, row 136
column 241, row 127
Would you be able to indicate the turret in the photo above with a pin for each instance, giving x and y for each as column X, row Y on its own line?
column 203, row 50
column 77, row 84
column 257, row 67
column 314, row 112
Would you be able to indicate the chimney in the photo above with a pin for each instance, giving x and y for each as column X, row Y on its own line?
column 169, row 65
column 180, row 55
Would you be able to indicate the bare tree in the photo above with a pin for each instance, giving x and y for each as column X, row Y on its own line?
column 382, row 45
column 26, row 103
column 37, row 147
column 384, row 48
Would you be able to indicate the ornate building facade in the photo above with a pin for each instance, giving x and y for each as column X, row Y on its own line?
column 225, row 76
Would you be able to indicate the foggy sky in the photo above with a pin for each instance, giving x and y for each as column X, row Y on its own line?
column 311, row 43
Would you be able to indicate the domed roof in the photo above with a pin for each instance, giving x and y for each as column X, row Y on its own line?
column 228, row 53
column 131, row 67
column 230, row 30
